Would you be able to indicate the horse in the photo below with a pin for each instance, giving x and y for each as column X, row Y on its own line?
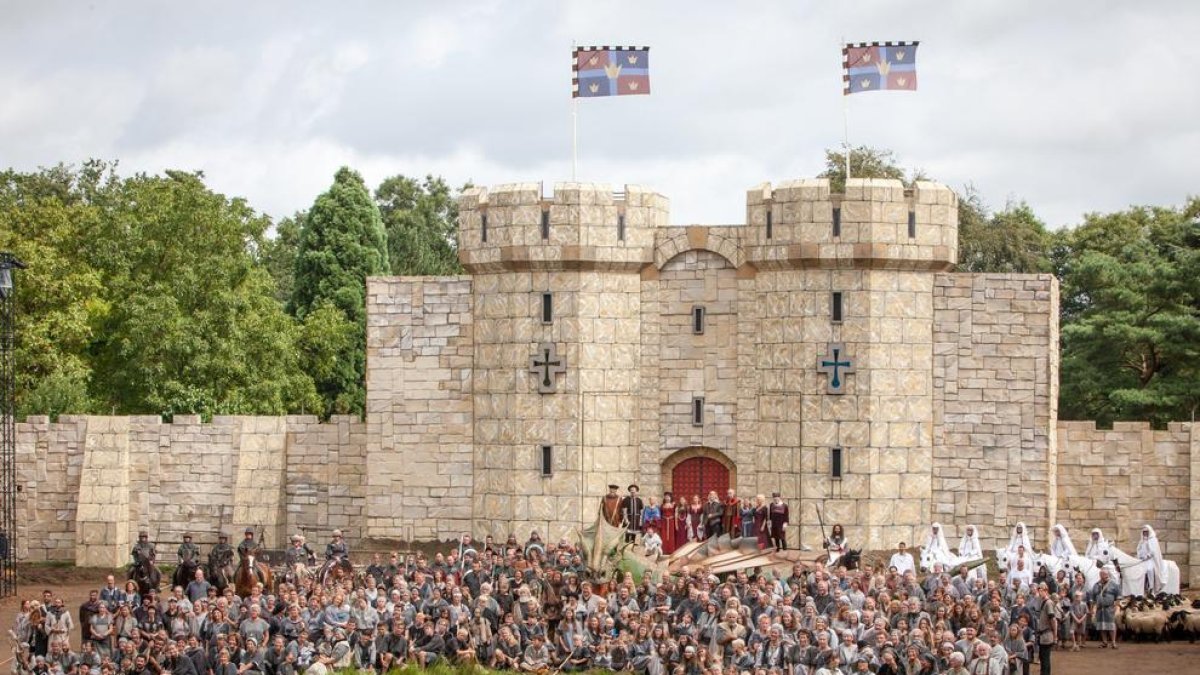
column 1133, row 572
column 334, row 571
column 185, row 572
column 850, row 559
column 220, row 574
column 146, row 575
column 245, row 579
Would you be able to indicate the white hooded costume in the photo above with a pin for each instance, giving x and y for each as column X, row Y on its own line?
column 1020, row 536
column 968, row 546
column 1060, row 543
column 1148, row 549
column 1096, row 545
column 935, row 547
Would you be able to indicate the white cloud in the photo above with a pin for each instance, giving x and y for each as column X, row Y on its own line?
column 1070, row 105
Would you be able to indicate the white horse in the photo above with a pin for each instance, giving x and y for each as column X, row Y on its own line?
column 1133, row 572
column 1078, row 564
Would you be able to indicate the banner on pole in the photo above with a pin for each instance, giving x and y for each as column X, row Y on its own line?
column 878, row 66
column 610, row 71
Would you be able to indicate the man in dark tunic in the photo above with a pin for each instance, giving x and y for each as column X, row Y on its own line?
column 714, row 511
column 610, row 507
column 631, row 513
column 778, row 513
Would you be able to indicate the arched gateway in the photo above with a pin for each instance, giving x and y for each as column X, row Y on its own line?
column 697, row 471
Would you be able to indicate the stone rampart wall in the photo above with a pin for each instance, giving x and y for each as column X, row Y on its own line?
column 89, row 484
column 995, row 374
column 1131, row 475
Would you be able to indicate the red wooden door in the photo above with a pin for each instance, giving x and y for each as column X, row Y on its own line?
column 699, row 476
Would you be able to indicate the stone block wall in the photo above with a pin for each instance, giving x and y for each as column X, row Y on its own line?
column 49, row 463
column 995, row 373
column 1131, row 475
column 420, row 468
column 89, row 484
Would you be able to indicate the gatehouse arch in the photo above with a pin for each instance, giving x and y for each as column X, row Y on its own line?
column 698, row 470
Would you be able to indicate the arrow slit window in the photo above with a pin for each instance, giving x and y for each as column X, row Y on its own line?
column 698, row 411
column 837, row 221
column 545, row 224
column 836, row 307
column 547, row 308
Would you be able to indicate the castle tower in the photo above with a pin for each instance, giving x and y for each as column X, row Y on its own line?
column 557, row 300
column 854, row 270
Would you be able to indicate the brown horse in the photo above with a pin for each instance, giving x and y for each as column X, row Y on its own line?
column 245, row 579
column 335, row 571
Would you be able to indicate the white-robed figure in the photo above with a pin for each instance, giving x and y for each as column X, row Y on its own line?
column 1019, row 548
column 1020, row 537
column 1060, row 543
column 1148, row 549
column 1097, row 545
column 970, row 549
column 935, row 549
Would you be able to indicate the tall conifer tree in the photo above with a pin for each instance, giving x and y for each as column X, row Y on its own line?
column 342, row 242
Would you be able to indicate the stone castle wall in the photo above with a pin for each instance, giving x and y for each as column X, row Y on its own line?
column 995, row 371
column 419, row 473
column 1131, row 475
column 89, row 484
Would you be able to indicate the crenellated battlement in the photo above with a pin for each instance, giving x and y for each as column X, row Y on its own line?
column 875, row 224
column 582, row 226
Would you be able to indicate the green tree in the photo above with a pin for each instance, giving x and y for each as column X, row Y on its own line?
column 1131, row 315
column 1012, row 240
column 342, row 242
column 59, row 296
column 278, row 255
column 865, row 162
column 193, row 326
column 421, row 223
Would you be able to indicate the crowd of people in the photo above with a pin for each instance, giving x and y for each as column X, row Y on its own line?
column 537, row 607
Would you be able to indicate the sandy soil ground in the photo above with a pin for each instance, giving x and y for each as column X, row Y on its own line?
column 1171, row 657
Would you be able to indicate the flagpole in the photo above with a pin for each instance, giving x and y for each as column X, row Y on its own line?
column 574, row 123
column 574, row 137
column 845, row 119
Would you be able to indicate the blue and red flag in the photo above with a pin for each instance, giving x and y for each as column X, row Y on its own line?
column 610, row 71
column 873, row 66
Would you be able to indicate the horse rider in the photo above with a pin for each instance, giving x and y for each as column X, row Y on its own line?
column 337, row 549
column 247, row 548
column 298, row 557
column 220, row 555
column 188, row 552
column 143, row 551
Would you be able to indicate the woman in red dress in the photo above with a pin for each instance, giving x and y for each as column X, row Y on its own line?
column 668, row 523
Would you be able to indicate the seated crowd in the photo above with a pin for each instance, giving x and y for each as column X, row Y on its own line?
column 535, row 607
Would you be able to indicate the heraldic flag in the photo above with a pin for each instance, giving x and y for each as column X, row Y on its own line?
column 610, row 71
column 871, row 66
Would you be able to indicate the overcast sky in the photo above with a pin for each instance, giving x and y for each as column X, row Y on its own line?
column 1074, row 106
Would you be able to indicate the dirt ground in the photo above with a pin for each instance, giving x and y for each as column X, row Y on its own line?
column 73, row 584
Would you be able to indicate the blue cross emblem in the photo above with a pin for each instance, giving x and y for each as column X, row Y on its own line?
column 836, row 364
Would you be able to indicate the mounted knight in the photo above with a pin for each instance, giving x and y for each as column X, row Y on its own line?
column 220, row 563
column 143, row 570
column 189, row 562
column 337, row 560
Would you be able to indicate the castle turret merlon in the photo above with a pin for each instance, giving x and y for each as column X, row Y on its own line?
column 583, row 225
column 875, row 223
